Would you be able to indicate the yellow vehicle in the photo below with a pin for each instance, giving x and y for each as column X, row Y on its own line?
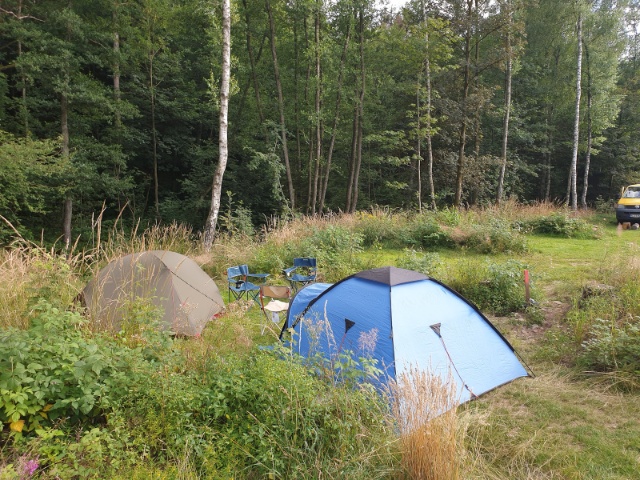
column 628, row 207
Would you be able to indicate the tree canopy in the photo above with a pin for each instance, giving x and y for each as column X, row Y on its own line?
column 334, row 106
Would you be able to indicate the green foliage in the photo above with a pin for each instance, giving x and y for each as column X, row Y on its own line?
column 52, row 370
column 427, row 263
column 380, row 227
column 448, row 216
column 559, row 224
column 496, row 236
column 258, row 405
column 493, row 287
column 30, row 176
column 424, row 232
column 236, row 219
column 613, row 347
column 606, row 328
column 336, row 249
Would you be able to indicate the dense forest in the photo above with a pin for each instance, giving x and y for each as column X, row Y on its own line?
column 109, row 108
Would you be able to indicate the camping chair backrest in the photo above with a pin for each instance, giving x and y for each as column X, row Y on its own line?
column 275, row 306
column 305, row 262
column 238, row 272
column 274, row 291
column 302, row 273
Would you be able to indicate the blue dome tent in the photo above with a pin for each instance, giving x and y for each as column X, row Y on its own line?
column 417, row 322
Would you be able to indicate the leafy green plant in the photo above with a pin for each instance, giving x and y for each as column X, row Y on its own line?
column 236, row 218
column 379, row 227
column 496, row 236
column 427, row 263
column 336, row 249
column 423, row 231
column 52, row 370
column 498, row 288
column 613, row 347
column 273, row 418
column 559, row 224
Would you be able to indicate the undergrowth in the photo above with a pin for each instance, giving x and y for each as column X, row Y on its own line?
column 76, row 402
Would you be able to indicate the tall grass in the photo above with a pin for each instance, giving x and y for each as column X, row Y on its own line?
column 424, row 406
column 30, row 272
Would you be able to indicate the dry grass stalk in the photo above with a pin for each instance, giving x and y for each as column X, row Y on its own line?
column 424, row 407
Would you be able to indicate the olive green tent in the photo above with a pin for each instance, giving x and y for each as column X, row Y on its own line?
column 187, row 297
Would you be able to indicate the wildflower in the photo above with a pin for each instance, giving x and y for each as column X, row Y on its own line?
column 30, row 467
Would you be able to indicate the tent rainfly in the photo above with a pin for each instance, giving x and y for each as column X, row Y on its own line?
column 417, row 322
column 187, row 296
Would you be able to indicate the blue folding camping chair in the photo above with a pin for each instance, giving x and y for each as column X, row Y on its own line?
column 302, row 273
column 239, row 285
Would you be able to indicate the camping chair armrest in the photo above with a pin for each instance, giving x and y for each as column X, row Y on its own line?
column 261, row 276
column 289, row 271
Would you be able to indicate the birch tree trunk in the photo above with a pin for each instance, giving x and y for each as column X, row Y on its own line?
column 223, row 147
column 427, row 68
column 587, row 160
column 507, row 109
column 572, row 198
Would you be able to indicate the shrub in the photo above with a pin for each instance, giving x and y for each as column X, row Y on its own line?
column 498, row 288
column 53, row 371
column 612, row 347
column 336, row 249
column 427, row 263
column 559, row 224
column 423, row 231
column 379, row 227
column 275, row 420
column 497, row 236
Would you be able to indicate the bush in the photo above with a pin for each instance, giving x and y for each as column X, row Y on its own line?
column 559, row 224
column 427, row 263
column 497, row 236
column 379, row 227
column 336, row 249
column 53, row 371
column 613, row 347
column 498, row 288
column 423, row 231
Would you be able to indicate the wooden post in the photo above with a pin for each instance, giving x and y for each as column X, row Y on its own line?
column 527, row 294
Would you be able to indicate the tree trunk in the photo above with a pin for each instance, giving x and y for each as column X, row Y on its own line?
column 154, row 138
column 352, row 158
column 354, row 203
column 419, row 149
column 318, row 110
column 64, row 127
column 587, row 161
column 427, row 68
column 252, row 64
column 24, row 111
column 116, row 68
column 573, row 195
column 283, row 127
column 336, row 117
column 547, row 183
column 507, row 111
column 465, row 94
column 223, row 147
